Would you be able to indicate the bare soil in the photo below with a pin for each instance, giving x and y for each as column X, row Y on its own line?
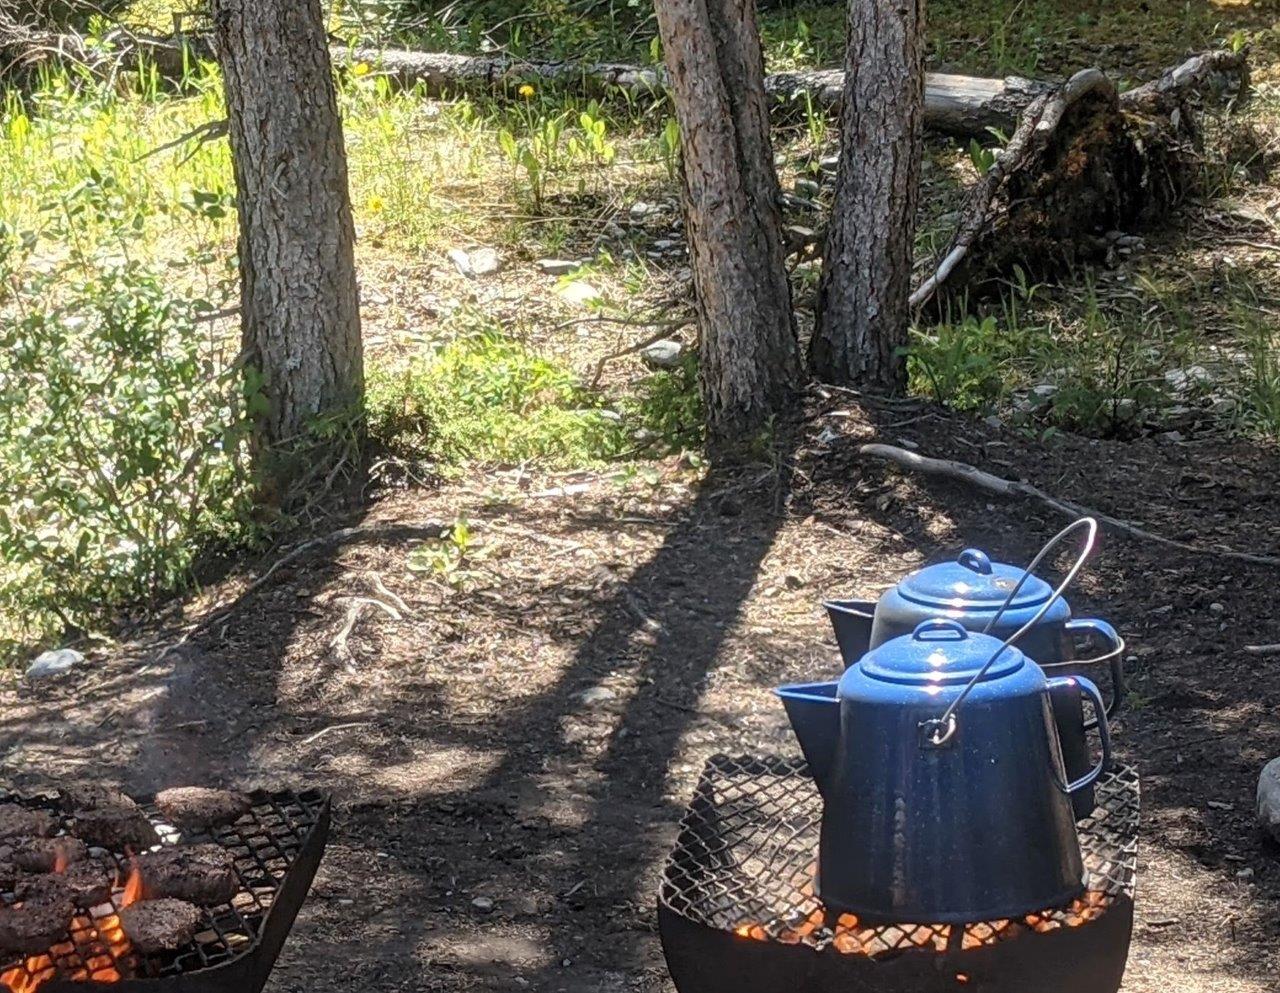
column 465, row 762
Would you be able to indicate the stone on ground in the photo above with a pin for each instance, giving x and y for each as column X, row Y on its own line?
column 1269, row 799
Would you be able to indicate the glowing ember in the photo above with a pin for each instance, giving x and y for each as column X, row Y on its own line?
column 98, row 939
column 851, row 937
column 38, row 969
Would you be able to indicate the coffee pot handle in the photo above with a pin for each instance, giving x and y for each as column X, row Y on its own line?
column 1097, row 630
column 1104, row 729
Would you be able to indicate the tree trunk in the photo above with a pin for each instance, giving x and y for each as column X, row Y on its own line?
column 299, row 302
column 866, row 274
column 749, row 361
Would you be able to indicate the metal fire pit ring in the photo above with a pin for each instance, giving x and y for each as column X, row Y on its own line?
column 736, row 909
column 277, row 848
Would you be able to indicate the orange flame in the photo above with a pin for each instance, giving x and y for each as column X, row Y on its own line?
column 99, row 941
column 132, row 886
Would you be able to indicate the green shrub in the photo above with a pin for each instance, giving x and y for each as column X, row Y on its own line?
column 486, row 397
column 119, row 432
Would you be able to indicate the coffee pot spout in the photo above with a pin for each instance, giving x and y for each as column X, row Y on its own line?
column 814, row 711
column 852, row 621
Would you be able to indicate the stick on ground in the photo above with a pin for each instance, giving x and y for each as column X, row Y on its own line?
column 985, row 481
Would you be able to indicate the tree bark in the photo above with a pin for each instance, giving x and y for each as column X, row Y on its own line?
column 299, row 302
column 749, row 362
column 866, row 273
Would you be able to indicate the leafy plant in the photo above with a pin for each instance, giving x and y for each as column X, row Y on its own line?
column 485, row 397
column 120, row 433
column 958, row 362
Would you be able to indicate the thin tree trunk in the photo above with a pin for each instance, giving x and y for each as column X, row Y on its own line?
column 866, row 275
column 749, row 362
column 299, row 302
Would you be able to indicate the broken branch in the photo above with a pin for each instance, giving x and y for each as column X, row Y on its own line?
column 988, row 483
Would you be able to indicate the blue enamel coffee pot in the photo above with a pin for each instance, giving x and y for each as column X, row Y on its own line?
column 945, row 798
column 975, row 591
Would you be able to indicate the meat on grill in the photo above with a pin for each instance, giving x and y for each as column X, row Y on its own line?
column 91, row 796
column 116, row 828
column 31, row 927
column 86, row 884
column 18, row 822
column 46, row 854
column 160, row 925
column 201, row 874
column 196, row 807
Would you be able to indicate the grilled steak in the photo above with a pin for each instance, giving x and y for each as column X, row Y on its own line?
column 196, row 807
column 202, row 874
column 116, row 828
column 33, row 926
column 86, row 884
column 19, row 822
column 46, row 854
column 160, row 925
column 91, row 796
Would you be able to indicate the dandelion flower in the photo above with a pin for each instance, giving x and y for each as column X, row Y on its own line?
column 377, row 205
column 526, row 91
column 361, row 69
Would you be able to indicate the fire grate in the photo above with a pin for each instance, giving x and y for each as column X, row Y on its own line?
column 277, row 848
column 744, row 863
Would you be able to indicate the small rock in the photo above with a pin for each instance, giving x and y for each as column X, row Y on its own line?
column 55, row 663
column 558, row 267
column 1183, row 381
column 1172, row 437
column 1221, row 805
column 807, row 188
column 829, row 164
column 1126, row 409
column 1216, row 608
column 477, row 262
column 461, row 261
column 640, row 210
column 485, row 261
column 1245, row 873
column 1223, row 407
column 579, row 292
column 1044, row 391
column 483, row 904
column 664, row 354
column 596, row 695
column 992, row 421
column 1269, row 799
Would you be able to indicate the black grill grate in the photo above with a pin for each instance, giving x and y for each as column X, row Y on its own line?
column 746, row 854
column 265, row 843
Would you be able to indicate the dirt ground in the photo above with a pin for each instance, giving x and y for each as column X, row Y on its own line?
column 465, row 762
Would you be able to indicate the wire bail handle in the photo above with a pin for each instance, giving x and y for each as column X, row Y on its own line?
column 938, row 731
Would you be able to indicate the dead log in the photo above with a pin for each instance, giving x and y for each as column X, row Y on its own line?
column 965, row 106
column 1084, row 160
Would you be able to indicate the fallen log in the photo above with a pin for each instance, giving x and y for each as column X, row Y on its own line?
column 964, row 106
column 1085, row 160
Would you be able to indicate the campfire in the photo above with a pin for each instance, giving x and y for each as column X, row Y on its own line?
column 194, row 888
column 738, row 908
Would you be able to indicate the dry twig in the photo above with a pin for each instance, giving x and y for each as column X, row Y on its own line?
column 985, row 481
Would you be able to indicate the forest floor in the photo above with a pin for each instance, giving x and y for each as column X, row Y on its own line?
column 465, row 761
column 462, row 755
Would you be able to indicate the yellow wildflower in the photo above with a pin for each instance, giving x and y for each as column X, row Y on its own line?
column 361, row 69
column 377, row 205
column 526, row 91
